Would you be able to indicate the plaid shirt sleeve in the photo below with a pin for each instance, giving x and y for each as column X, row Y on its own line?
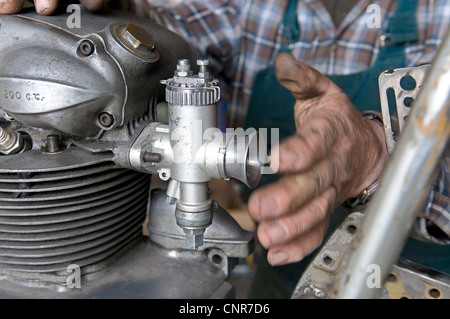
column 433, row 222
column 242, row 37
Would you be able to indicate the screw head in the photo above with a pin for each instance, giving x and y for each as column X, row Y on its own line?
column 203, row 62
column 105, row 119
column 86, row 48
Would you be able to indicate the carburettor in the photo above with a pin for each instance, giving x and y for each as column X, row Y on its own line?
column 80, row 139
column 191, row 150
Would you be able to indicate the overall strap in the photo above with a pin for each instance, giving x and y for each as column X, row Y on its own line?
column 290, row 26
column 402, row 24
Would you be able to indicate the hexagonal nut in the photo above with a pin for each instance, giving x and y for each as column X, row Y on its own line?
column 194, row 241
column 139, row 38
column 15, row 147
column 181, row 73
column 194, row 237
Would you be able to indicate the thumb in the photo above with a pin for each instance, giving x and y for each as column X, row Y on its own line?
column 301, row 79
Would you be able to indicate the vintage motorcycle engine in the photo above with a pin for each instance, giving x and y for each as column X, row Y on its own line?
column 79, row 142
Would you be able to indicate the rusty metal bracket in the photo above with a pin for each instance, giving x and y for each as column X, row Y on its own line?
column 403, row 85
column 407, row 280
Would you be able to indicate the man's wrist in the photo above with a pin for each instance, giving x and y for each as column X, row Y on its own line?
column 375, row 170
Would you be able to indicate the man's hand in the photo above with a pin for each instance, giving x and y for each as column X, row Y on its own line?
column 46, row 7
column 334, row 155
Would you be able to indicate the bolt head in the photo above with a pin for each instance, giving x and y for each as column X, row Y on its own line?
column 86, row 48
column 139, row 38
column 194, row 237
column 194, row 241
column 106, row 120
column 12, row 145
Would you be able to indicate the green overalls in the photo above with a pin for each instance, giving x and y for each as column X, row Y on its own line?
column 272, row 106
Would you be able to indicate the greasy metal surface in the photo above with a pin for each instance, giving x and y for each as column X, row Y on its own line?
column 88, row 71
column 146, row 271
column 224, row 232
column 318, row 278
column 64, row 215
column 408, row 280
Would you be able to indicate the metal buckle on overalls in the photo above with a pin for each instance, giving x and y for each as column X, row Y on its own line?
column 385, row 39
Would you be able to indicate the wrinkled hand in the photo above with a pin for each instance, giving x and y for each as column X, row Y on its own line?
column 46, row 7
column 334, row 155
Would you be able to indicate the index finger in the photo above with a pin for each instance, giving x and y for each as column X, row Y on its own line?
column 46, row 7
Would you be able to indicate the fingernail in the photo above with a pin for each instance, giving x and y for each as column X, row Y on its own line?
column 279, row 258
column 277, row 233
column 42, row 6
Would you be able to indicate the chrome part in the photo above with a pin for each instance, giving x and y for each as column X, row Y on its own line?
column 192, row 109
column 192, row 150
column 235, row 154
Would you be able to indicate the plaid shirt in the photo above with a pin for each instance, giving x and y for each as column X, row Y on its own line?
column 241, row 38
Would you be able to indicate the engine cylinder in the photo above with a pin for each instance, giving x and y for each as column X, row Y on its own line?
column 59, row 216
